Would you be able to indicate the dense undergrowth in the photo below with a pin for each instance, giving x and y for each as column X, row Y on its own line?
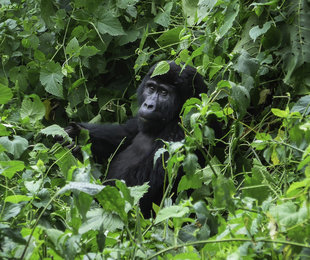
column 80, row 60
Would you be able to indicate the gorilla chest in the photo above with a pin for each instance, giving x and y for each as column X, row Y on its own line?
column 135, row 163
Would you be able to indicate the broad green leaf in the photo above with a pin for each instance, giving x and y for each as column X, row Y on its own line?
column 73, row 48
column 125, row 191
column 302, row 105
column 51, row 78
column 110, row 199
column 17, row 198
column 240, row 99
column 190, row 163
column 187, row 182
column 137, row 192
column 287, row 214
column 65, row 161
column 280, row 113
column 88, row 188
column 215, row 66
column 4, row 131
column 224, row 190
column 159, row 154
column 6, row 94
column 88, row 51
column 171, row 212
column 98, row 219
column 169, row 37
column 246, row 64
column 55, row 130
column 19, row 76
column 252, row 186
column 110, row 25
column 33, row 186
column 256, row 31
column 190, row 10
column 204, row 8
column 33, row 108
column 161, row 68
column 9, row 168
column 163, row 18
column 231, row 13
column 15, row 146
column 31, row 42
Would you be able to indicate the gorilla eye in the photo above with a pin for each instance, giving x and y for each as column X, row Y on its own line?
column 164, row 92
column 151, row 87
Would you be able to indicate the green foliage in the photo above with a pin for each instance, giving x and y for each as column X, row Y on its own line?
column 246, row 152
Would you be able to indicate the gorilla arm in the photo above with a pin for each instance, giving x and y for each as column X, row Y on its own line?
column 106, row 138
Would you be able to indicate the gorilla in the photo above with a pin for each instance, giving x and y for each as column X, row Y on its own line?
column 160, row 101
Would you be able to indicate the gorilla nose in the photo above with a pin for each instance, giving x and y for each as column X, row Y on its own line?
column 149, row 106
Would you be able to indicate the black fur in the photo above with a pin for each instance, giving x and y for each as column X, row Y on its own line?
column 160, row 99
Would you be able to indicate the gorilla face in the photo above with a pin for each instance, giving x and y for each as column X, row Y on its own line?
column 159, row 105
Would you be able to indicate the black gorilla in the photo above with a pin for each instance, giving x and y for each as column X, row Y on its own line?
column 160, row 99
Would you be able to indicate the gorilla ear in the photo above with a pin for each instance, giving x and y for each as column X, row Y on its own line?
column 161, row 68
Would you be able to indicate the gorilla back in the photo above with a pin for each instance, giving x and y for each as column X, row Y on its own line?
column 160, row 101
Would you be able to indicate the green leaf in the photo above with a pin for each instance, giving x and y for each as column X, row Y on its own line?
column 204, row 8
column 110, row 25
column 256, row 31
column 163, row 18
column 98, row 219
column 88, row 51
column 137, row 192
column 190, row 163
column 161, row 68
column 17, row 198
column 230, row 15
column 65, row 160
column 33, row 108
column 245, row 64
column 73, row 48
column 51, row 78
column 224, row 190
column 31, row 42
column 169, row 37
column 88, row 188
column 302, row 105
column 55, row 130
column 253, row 186
column 6, row 94
column 15, row 146
column 287, row 214
column 187, row 182
column 171, row 212
column 190, row 10
column 240, row 99
column 280, row 113
column 110, row 199
column 19, row 74
column 9, row 168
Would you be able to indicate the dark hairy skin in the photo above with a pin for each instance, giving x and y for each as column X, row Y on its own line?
column 160, row 101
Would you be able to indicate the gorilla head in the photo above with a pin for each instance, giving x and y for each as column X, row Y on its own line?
column 162, row 97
